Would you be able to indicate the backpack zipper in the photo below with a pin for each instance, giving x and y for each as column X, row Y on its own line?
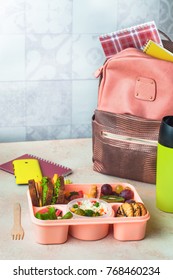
column 128, row 139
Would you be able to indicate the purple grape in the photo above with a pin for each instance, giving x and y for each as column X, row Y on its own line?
column 130, row 200
column 106, row 189
column 127, row 194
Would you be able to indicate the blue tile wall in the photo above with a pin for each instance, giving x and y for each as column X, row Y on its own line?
column 49, row 50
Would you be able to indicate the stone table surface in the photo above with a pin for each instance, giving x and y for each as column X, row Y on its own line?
column 77, row 154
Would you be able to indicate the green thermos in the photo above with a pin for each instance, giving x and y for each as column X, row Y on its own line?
column 164, row 168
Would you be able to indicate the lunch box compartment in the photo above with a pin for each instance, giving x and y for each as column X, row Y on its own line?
column 94, row 228
column 130, row 230
column 89, row 232
column 51, row 234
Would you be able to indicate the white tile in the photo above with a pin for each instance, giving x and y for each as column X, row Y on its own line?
column 84, row 101
column 45, row 16
column 12, row 16
column 12, row 57
column 58, row 61
column 87, row 56
column 37, row 133
column 94, row 16
column 12, row 134
column 82, row 131
column 48, row 57
column 48, row 103
column 12, row 100
column 137, row 12
column 165, row 17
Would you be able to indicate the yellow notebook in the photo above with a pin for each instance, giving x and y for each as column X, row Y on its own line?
column 155, row 50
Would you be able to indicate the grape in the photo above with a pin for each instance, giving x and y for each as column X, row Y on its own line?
column 106, row 189
column 119, row 188
column 130, row 201
column 127, row 194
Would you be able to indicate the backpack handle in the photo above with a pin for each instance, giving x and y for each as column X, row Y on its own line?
column 166, row 36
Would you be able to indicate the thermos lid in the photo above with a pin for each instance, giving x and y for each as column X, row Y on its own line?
column 166, row 132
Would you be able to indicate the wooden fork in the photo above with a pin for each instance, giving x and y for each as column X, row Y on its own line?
column 17, row 231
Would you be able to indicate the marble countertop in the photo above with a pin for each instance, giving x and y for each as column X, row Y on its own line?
column 77, row 154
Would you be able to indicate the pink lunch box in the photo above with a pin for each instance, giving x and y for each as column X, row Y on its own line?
column 92, row 228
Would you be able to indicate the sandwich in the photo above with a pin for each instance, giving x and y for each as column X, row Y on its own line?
column 47, row 191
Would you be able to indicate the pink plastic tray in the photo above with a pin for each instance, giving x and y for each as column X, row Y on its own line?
column 56, row 231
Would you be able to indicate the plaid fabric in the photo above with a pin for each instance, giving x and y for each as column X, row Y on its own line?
column 135, row 36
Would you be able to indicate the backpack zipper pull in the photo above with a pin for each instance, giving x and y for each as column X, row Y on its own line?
column 98, row 72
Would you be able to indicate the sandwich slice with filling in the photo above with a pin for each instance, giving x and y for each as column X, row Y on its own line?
column 58, row 190
column 47, row 191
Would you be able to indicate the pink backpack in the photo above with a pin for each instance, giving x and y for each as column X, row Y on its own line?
column 132, row 82
column 135, row 92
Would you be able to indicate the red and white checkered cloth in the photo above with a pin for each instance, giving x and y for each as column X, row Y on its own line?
column 135, row 36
